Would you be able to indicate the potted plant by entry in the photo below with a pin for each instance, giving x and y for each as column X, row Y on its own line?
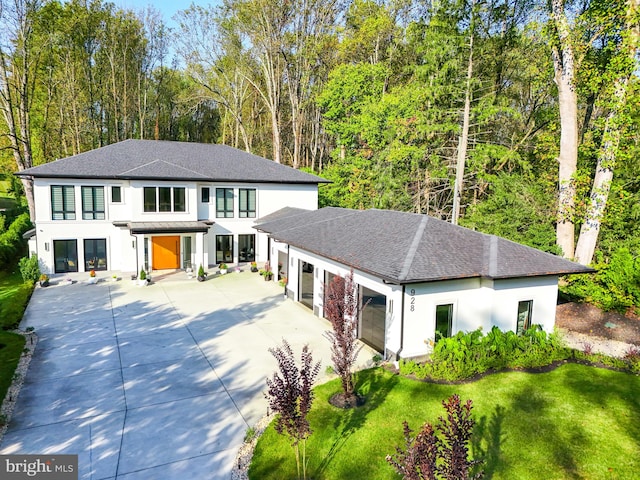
column 202, row 275
column 267, row 273
column 142, row 278
column 92, row 277
column 254, row 267
column 223, row 268
column 44, row 280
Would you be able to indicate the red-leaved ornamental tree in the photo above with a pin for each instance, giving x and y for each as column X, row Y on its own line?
column 430, row 457
column 341, row 308
column 290, row 396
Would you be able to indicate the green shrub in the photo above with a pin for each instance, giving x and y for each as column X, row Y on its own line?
column 11, row 242
column 614, row 286
column 29, row 269
column 467, row 354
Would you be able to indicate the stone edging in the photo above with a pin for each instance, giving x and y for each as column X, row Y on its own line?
column 245, row 452
column 9, row 403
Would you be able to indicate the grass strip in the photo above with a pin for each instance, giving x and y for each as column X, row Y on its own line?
column 575, row 421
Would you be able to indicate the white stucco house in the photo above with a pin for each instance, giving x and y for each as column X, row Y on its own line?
column 418, row 277
column 158, row 205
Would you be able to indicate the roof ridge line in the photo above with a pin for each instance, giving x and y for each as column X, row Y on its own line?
column 413, row 248
column 175, row 165
column 351, row 212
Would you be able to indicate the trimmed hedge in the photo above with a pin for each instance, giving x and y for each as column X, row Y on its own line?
column 12, row 244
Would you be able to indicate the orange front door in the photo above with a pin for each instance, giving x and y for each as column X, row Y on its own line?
column 165, row 252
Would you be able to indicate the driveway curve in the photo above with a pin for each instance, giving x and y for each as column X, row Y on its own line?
column 154, row 382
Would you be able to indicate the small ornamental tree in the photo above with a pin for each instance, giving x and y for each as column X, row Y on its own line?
column 341, row 309
column 290, row 396
column 430, row 457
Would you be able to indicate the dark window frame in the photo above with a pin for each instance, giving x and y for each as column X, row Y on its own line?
column 175, row 202
column 244, row 203
column 68, row 211
column 205, row 198
column 523, row 326
column 116, row 198
column 92, row 211
column 449, row 330
column 224, row 202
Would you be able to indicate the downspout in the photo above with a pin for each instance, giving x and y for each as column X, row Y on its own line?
column 135, row 239
column 401, row 325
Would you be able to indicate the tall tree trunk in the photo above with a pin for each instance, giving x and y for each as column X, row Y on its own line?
column 590, row 228
column 464, row 135
column 564, row 68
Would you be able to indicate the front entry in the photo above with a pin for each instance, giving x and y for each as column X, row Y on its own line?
column 166, row 252
column 372, row 318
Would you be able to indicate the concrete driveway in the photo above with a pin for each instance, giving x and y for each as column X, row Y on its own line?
column 154, row 382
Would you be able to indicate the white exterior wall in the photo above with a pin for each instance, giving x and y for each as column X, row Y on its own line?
column 477, row 303
column 125, row 252
column 321, row 265
column 542, row 290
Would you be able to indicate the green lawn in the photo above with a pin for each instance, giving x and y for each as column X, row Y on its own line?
column 11, row 345
column 575, row 422
column 14, row 295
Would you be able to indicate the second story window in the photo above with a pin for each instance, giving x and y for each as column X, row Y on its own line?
column 116, row 194
column 205, row 193
column 247, row 201
column 224, row 202
column 93, row 203
column 63, row 202
column 165, row 199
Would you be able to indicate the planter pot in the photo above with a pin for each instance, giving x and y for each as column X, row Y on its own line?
column 44, row 283
column 201, row 278
column 93, row 280
column 223, row 271
column 142, row 283
column 267, row 278
column 254, row 269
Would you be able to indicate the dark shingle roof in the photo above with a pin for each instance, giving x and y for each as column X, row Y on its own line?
column 162, row 160
column 409, row 248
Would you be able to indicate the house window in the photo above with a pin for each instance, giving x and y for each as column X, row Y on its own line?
column 165, row 199
column 205, row 194
column 95, row 254
column 247, row 199
column 524, row 316
column 63, row 202
column 116, row 194
column 93, row 203
column 247, row 248
column 224, row 202
column 65, row 256
column 444, row 320
column 224, row 248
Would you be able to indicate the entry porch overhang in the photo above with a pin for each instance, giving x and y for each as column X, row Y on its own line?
column 165, row 227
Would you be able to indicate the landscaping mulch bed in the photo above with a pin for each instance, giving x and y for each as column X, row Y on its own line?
column 590, row 320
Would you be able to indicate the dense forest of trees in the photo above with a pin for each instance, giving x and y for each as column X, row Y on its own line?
column 514, row 117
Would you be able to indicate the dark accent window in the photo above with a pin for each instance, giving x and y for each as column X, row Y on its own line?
column 444, row 317
column 247, row 200
column 165, row 199
column 205, row 194
column 247, row 248
column 179, row 200
column 224, row 202
column 93, row 203
column 116, row 194
column 95, row 254
column 525, row 308
column 224, row 248
column 63, row 202
column 150, row 199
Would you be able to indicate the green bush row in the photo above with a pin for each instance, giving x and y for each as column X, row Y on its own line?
column 11, row 242
column 467, row 354
column 12, row 307
column 614, row 286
